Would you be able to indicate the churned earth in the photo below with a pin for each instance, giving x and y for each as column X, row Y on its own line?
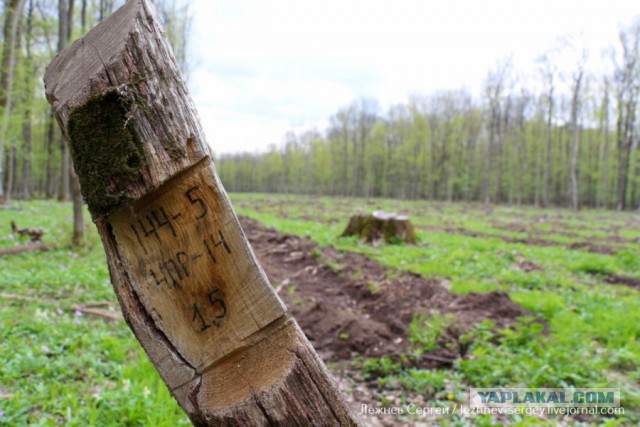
column 352, row 307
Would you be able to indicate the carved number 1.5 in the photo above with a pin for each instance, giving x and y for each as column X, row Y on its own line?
column 200, row 315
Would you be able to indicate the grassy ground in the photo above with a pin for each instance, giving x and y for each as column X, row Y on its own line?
column 62, row 368
column 59, row 366
column 593, row 325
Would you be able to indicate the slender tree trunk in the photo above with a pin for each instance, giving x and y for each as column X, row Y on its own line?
column 187, row 281
column 546, row 188
column 11, row 172
column 69, row 177
column 13, row 14
column 78, row 211
column 63, row 33
column 603, row 198
column 538, row 152
column 522, row 157
column 626, row 122
column 575, row 149
column 50, row 189
column 486, row 175
column 502, row 121
column 83, row 17
column 628, row 91
column 27, row 123
column 345, row 163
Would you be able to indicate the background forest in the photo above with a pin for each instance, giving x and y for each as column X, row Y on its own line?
column 34, row 160
column 564, row 134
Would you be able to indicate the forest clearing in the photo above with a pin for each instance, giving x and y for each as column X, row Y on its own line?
column 437, row 253
column 489, row 296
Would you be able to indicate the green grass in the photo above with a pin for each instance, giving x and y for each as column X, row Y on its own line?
column 593, row 326
column 60, row 367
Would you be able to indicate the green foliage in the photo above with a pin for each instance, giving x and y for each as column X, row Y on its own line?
column 590, row 336
column 380, row 367
column 444, row 147
column 77, row 370
column 63, row 367
column 426, row 330
column 523, row 357
column 425, row 382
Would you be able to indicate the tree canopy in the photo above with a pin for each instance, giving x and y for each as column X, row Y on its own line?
column 563, row 139
column 33, row 156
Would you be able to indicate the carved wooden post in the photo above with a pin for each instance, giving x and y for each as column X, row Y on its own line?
column 187, row 281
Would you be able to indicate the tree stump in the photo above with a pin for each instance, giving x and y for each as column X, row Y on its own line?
column 387, row 226
column 187, row 281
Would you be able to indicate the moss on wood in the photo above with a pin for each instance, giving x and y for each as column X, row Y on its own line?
column 107, row 153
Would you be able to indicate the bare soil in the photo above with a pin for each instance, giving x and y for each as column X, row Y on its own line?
column 350, row 305
column 615, row 279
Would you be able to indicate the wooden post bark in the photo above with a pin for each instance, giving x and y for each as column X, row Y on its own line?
column 188, row 283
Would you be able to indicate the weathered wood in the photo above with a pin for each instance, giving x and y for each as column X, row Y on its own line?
column 188, row 283
column 378, row 226
column 28, row 247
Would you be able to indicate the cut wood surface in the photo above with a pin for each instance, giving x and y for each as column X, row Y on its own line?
column 188, row 283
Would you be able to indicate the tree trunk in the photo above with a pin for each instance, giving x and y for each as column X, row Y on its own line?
column 187, row 281
column 63, row 37
column 13, row 12
column 78, row 210
column 603, row 193
column 83, row 17
column 11, row 173
column 50, row 184
column 387, row 226
column 69, row 177
column 27, row 134
column 546, row 188
column 573, row 165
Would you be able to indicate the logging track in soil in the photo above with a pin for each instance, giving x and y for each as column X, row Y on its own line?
column 350, row 305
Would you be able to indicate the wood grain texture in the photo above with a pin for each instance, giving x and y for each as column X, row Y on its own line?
column 187, row 281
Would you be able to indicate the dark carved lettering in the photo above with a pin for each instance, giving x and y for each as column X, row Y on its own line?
column 215, row 314
column 135, row 230
column 149, row 231
column 215, row 298
column 211, row 243
column 194, row 200
column 158, row 280
column 162, row 219
column 198, row 316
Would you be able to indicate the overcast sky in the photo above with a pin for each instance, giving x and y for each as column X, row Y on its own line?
column 261, row 68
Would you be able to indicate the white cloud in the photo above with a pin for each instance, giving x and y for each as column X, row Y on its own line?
column 267, row 66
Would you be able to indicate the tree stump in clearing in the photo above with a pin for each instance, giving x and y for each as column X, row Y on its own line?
column 391, row 227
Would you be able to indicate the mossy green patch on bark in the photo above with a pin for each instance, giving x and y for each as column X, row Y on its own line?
column 107, row 153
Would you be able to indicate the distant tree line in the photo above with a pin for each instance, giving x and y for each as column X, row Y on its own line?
column 34, row 159
column 560, row 139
